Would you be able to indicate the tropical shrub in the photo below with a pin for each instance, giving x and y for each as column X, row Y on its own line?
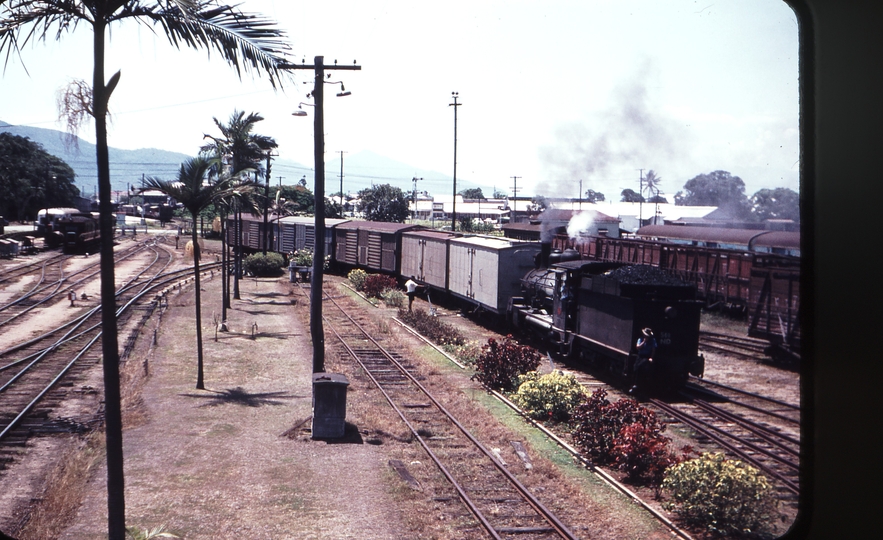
column 432, row 328
column 501, row 362
column 597, row 423
column 725, row 497
column 548, row 397
column 376, row 284
column 393, row 298
column 357, row 277
column 643, row 453
column 259, row 264
column 304, row 257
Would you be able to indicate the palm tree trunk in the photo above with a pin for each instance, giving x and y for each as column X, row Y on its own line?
column 199, row 379
column 225, row 300
column 237, row 254
column 116, row 507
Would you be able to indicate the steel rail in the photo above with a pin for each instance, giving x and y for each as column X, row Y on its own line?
column 772, row 437
column 57, row 285
column 545, row 513
column 747, row 393
column 122, row 309
column 698, row 426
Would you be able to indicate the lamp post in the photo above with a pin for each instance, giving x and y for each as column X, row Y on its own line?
column 317, row 331
column 454, row 202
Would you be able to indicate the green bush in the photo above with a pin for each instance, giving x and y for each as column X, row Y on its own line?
column 725, row 497
column 432, row 328
column 260, row 265
column 501, row 362
column 304, row 257
column 548, row 397
column 357, row 277
column 393, row 298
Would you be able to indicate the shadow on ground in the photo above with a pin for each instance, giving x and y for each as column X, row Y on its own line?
column 238, row 396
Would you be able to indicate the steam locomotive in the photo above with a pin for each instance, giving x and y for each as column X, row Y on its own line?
column 595, row 311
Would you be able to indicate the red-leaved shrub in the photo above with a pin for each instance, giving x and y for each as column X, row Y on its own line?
column 376, row 284
column 501, row 362
column 597, row 423
column 643, row 453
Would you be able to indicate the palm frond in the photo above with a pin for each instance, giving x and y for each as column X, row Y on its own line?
column 246, row 41
column 31, row 20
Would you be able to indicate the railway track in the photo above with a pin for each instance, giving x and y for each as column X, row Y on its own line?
column 33, row 267
column 51, row 280
column 743, row 347
column 761, row 431
column 37, row 376
column 500, row 506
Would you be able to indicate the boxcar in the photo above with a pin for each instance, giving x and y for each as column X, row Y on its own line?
column 294, row 233
column 370, row 245
column 487, row 271
column 425, row 256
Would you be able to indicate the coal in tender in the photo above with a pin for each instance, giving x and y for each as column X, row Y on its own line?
column 641, row 274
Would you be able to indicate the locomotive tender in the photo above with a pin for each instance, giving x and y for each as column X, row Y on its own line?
column 595, row 311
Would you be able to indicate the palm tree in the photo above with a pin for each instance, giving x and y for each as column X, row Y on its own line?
column 651, row 186
column 246, row 151
column 195, row 194
column 244, row 40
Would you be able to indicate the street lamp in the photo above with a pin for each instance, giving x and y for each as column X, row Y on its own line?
column 317, row 331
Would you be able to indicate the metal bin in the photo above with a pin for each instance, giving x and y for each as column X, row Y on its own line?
column 329, row 405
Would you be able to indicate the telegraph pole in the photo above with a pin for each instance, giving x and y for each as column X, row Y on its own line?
column 414, row 197
column 640, row 199
column 580, row 195
column 266, row 241
column 514, row 197
column 317, row 331
column 341, row 152
column 454, row 202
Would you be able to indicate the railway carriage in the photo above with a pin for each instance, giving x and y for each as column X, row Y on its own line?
column 373, row 246
column 294, row 233
column 425, row 256
column 79, row 233
column 487, row 271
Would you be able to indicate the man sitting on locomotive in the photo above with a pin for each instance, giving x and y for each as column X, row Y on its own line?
column 644, row 364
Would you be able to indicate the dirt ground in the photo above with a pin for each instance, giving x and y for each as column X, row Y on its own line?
column 236, row 461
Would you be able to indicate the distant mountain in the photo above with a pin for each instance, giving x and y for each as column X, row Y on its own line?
column 126, row 166
column 360, row 169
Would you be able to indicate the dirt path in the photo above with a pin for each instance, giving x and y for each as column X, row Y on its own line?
column 214, row 463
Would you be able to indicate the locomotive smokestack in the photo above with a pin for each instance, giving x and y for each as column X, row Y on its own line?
column 545, row 250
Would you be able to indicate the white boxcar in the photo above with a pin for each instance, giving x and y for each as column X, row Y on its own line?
column 425, row 256
column 488, row 271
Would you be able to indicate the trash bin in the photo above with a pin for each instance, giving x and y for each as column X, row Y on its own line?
column 292, row 272
column 329, row 405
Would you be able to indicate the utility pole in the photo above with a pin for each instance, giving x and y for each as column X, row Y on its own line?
column 580, row 195
column 454, row 202
column 266, row 241
column 514, row 196
column 641, row 199
column 341, row 152
column 317, row 331
column 414, row 197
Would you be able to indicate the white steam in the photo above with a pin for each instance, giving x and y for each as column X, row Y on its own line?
column 580, row 224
